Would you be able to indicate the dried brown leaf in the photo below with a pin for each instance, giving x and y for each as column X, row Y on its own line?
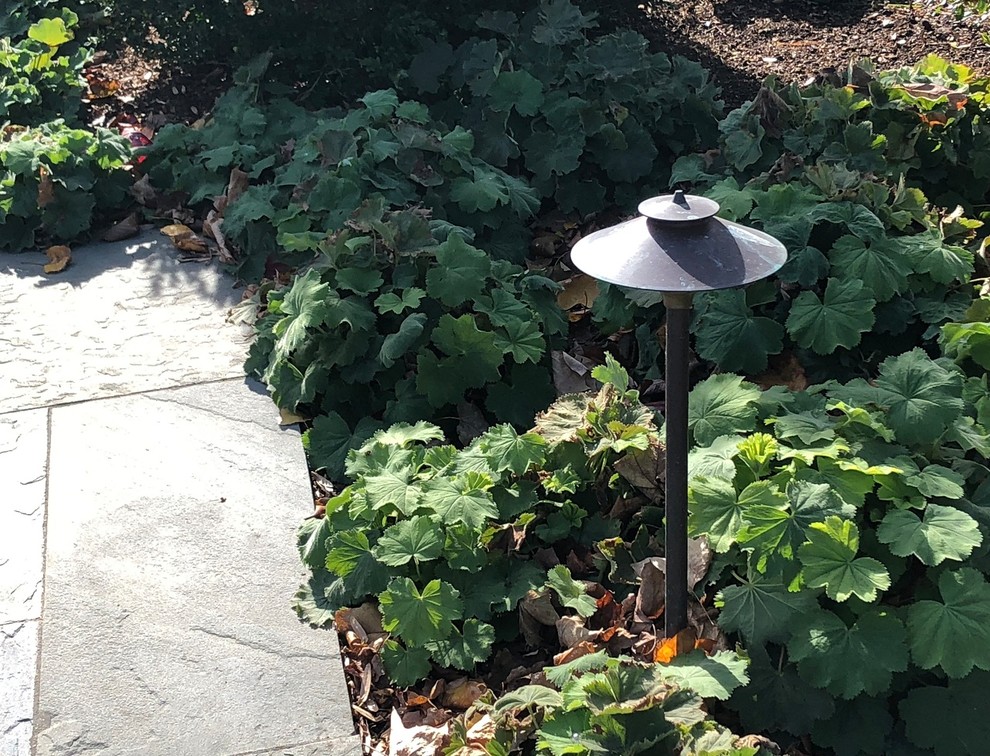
column 645, row 469
column 536, row 610
column 463, row 692
column 144, row 192
column 575, row 652
column 417, row 739
column 125, row 229
column 59, row 257
column 46, row 188
column 571, row 632
column 649, row 598
column 579, row 291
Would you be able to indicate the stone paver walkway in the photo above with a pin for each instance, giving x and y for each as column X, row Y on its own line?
column 148, row 501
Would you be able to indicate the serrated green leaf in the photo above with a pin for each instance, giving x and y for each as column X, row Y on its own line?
column 571, row 592
column 882, row 266
column 529, row 696
column 729, row 334
column 942, row 533
column 464, row 648
column 809, row 427
column 829, row 561
column 414, row 540
column 392, row 489
column 359, row 280
column 50, row 31
column 316, row 600
column 554, row 154
column 312, row 540
column 857, row 218
column 399, row 303
column 516, row 89
column 349, row 556
column 762, row 609
column 962, row 340
column 823, row 325
column 329, row 440
column 568, row 732
column 405, row 666
column 397, row 345
column 922, row 398
column 716, row 460
column 460, row 273
column 381, row 103
column 611, row 373
column 305, row 306
column 455, row 501
column 849, row 660
column 715, row 676
column 943, row 262
column 860, row 727
column 522, row 339
column 767, row 702
column 716, row 511
column 506, row 449
column 721, row 405
column 419, row 616
column 478, row 194
column 953, row 633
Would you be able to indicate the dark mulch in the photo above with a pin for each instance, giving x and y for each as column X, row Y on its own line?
column 744, row 41
column 740, row 41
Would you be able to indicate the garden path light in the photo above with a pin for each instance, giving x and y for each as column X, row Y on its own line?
column 679, row 247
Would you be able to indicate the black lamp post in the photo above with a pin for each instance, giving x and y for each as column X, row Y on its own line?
column 678, row 247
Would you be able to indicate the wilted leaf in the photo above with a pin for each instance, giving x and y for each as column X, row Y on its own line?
column 463, row 692
column 124, row 229
column 59, row 257
column 416, row 740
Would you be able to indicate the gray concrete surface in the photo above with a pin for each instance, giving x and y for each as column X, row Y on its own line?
column 23, row 459
column 121, row 318
column 162, row 525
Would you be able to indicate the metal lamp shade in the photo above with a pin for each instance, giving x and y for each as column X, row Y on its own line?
column 677, row 246
column 683, row 255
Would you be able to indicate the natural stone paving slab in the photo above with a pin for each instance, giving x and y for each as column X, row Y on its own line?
column 18, row 650
column 122, row 318
column 170, row 567
column 23, row 456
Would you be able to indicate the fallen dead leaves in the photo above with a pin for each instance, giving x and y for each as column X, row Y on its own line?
column 59, row 258
column 451, row 707
column 185, row 239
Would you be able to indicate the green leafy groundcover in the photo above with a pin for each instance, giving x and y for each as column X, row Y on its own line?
column 853, row 531
column 589, row 123
column 869, row 187
column 404, row 320
column 849, row 523
column 56, row 177
column 453, row 546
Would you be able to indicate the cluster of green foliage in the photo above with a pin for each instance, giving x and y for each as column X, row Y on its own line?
column 380, row 38
column 425, row 527
column 54, row 180
column 853, row 528
column 39, row 80
column 588, row 123
column 310, row 170
column 55, row 176
column 614, row 705
column 402, row 319
column 840, row 174
column 446, row 541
